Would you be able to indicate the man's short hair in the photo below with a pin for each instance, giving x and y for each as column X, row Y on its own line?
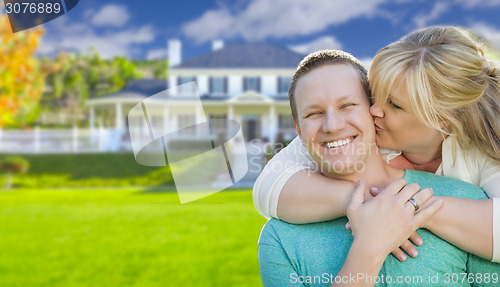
column 322, row 58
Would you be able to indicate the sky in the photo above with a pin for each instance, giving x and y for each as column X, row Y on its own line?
column 141, row 29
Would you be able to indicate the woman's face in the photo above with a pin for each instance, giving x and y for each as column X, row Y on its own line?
column 398, row 127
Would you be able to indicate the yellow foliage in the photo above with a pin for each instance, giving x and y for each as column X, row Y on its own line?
column 21, row 79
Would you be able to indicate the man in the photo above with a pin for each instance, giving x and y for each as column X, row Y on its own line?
column 329, row 100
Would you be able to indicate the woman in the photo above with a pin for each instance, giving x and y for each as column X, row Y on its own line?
column 436, row 99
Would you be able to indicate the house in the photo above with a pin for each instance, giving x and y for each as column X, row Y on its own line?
column 247, row 82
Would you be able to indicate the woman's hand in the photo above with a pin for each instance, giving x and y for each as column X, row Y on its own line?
column 382, row 224
column 407, row 246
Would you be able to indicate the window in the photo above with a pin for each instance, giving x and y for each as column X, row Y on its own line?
column 218, row 85
column 185, row 89
column 283, row 84
column 184, row 121
column 217, row 124
column 251, row 84
column 285, row 122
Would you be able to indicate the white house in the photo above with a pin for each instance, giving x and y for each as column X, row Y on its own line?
column 247, row 82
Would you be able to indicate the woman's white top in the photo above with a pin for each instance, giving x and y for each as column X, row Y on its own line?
column 471, row 166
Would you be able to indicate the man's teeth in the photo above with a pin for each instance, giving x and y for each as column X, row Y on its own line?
column 338, row 143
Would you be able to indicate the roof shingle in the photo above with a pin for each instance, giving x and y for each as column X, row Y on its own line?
column 246, row 55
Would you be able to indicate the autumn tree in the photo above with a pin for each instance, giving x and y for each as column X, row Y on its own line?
column 21, row 78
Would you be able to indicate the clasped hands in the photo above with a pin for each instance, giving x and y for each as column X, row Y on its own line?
column 385, row 221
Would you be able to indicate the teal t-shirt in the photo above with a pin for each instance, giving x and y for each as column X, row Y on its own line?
column 312, row 254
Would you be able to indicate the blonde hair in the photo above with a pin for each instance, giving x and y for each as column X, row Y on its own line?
column 321, row 58
column 449, row 81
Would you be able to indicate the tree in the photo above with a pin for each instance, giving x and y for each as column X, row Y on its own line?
column 12, row 165
column 73, row 79
column 21, row 78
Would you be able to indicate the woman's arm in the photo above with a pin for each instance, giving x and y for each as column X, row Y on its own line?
column 381, row 225
column 309, row 197
column 290, row 188
column 465, row 223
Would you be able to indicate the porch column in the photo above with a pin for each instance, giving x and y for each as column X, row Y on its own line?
column 119, row 117
column 92, row 122
column 273, row 124
column 198, row 113
column 230, row 112
column 166, row 123
column 92, row 118
column 230, row 116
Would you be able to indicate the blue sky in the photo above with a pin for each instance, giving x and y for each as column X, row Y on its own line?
column 140, row 29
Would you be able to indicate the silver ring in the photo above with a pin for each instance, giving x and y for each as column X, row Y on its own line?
column 414, row 202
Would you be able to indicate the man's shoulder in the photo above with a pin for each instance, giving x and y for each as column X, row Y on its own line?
column 277, row 230
column 276, row 225
column 445, row 186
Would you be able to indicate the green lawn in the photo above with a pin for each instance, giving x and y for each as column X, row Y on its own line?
column 127, row 237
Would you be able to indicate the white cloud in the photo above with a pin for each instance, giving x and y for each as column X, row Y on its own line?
column 367, row 62
column 154, row 54
column 490, row 33
column 422, row 20
column 263, row 19
column 61, row 34
column 112, row 15
column 327, row 42
column 478, row 3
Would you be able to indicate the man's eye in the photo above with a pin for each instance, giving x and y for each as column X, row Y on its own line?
column 347, row 105
column 394, row 105
column 312, row 114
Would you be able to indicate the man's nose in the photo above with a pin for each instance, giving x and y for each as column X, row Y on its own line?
column 333, row 122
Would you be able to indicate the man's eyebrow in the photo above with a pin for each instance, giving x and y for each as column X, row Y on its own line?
column 311, row 106
column 346, row 98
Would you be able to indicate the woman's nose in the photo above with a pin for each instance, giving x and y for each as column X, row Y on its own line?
column 376, row 111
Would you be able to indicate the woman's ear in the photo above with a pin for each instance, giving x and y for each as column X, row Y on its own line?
column 445, row 126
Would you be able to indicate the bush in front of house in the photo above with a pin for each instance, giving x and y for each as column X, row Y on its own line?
column 88, row 170
column 13, row 165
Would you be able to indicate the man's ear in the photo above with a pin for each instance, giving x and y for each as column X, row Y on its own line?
column 297, row 129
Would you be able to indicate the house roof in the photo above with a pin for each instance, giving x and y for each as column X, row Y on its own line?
column 245, row 55
column 136, row 90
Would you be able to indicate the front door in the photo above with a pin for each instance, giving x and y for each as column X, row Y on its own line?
column 251, row 127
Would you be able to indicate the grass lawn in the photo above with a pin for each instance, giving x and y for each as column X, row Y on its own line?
column 127, row 237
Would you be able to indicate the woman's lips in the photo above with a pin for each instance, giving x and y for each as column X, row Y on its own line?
column 377, row 128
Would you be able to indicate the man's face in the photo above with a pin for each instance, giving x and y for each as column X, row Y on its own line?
column 334, row 121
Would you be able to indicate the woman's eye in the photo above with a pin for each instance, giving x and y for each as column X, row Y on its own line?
column 394, row 105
